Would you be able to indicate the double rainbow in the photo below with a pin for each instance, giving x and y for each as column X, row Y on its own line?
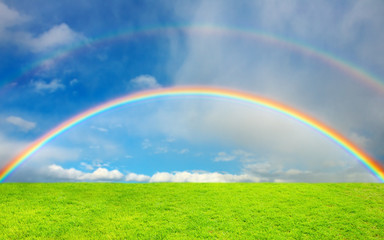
column 206, row 92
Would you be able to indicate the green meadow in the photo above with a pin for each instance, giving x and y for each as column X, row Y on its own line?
column 191, row 211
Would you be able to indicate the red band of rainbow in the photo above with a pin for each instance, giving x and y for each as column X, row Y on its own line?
column 353, row 70
column 201, row 91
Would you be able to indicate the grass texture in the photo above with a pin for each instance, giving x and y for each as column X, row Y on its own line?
column 191, row 211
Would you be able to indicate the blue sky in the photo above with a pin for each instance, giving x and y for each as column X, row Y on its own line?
column 188, row 139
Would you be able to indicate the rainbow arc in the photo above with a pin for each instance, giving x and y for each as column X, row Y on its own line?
column 357, row 73
column 207, row 92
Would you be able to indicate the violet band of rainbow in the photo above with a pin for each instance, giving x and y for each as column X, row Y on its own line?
column 368, row 79
column 199, row 91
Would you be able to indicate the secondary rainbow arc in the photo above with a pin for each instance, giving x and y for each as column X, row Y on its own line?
column 352, row 70
column 369, row 162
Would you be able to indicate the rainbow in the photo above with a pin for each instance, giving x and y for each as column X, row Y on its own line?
column 205, row 92
column 348, row 68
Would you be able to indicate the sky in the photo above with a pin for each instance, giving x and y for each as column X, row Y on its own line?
column 60, row 58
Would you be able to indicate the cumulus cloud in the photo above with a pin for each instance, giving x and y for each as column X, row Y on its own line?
column 194, row 176
column 133, row 177
column 52, row 86
column 57, row 36
column 145, row 82
column 72, row 174
column 202, row 177
column 21, row 123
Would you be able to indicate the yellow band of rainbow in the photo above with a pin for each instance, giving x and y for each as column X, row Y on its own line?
column 199, row 91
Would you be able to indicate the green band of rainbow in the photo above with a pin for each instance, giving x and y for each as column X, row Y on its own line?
column 352, row 70
column 332, row 134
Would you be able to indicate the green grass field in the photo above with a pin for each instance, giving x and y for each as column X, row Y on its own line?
column 191, row 211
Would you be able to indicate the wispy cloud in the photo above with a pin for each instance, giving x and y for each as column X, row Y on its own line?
column 21, row 123
column 73, row 82
column 52, row 86
column 224, row 157
column 238, row 154
column 87, row 166
column 161, row 150
column 146, row 144
column 100, row 129
column 9, row 18
column 183, row 151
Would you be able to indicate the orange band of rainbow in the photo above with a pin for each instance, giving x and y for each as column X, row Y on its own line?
column 202, row 91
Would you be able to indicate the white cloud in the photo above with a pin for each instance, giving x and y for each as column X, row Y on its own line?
column 263, row 168
column 238, row 154
column 161, row 150
column 72, row 174
column 8, row 18
column 202, row 177
column 87, row 166
column 57, row 36
column 224, row 157
column 263, row 172
column 21, row 123
column 194, row 176
column 74, row 82
column 100, row 129
column 103, row 174
column 183, row 151
column 145, row 82
column 41, row 86
column 146, row 144
column 99, row 163
column 137, row 177
column 59, row 172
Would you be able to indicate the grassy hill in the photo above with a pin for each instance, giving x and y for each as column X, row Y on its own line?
column 191, row 211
